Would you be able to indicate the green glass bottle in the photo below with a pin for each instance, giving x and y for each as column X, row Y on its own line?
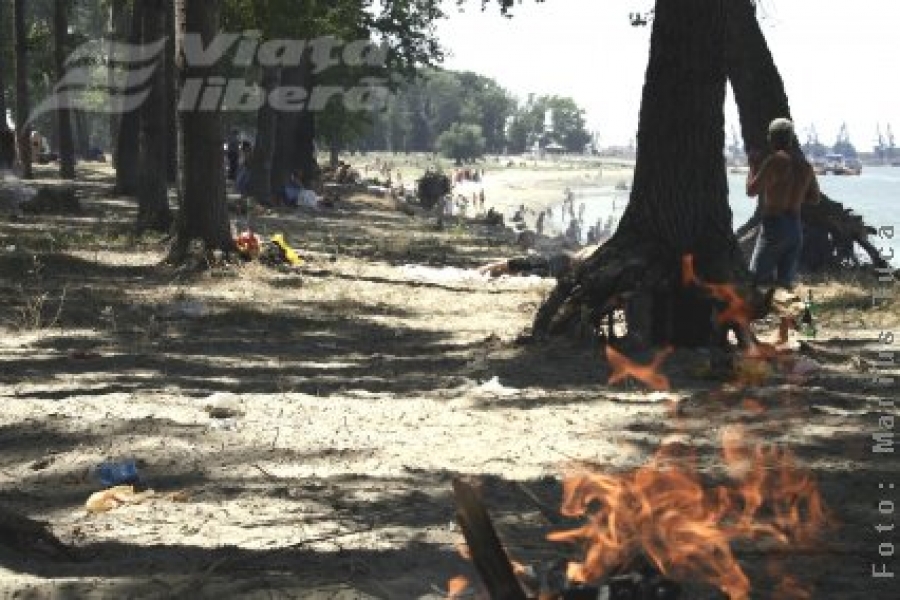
column 808, row 321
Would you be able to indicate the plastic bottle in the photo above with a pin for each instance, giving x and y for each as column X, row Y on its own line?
column 118, row 473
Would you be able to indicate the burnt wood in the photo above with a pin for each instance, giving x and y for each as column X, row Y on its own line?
column 487, row 553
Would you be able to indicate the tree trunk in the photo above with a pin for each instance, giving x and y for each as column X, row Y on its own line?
column 202, row 215
column 679, row 199
column 63, row 114
column 757, row 85
column 118, row 32
column 153, row 194
column 295, row 148
column 127, row 150
column 171, row 98
column 264, row 150
column 82, row 134
column 7, row 150
column 334, row 154
column 7, row 137
column 23, row 102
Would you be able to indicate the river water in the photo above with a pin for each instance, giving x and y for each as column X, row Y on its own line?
column 875, row 195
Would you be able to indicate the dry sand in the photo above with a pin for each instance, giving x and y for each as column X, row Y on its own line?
column 358, row 387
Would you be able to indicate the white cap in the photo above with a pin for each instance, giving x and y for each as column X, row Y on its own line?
column 781, row 124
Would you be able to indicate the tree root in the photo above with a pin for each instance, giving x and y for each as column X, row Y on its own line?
column 617, row 270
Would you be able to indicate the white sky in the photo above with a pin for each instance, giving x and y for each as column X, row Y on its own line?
column 838, row 59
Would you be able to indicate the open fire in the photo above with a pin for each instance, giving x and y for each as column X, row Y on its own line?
column 664, row 512
column 668, row 521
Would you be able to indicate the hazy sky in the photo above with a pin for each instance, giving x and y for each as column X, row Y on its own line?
column 838, row 58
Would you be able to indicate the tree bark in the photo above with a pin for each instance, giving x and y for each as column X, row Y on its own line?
column 171, row 98
column 263, row 152
column 82, row 134
column 127, row 152
column 118, row 32
column 23, row 102
column 153, row 194
column 7, row 137
column 679, row 199
column 202, row 215
column 295, row 147
column 63, row 114
column 757, row 84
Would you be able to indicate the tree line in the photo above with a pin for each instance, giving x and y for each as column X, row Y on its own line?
column 464, row 115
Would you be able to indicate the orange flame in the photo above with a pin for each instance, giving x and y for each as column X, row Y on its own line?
column 456, row 586
column 664, row 512
column 736, row 310
column 624, row 368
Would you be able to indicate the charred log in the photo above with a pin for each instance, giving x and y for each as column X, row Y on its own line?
column 487, row 553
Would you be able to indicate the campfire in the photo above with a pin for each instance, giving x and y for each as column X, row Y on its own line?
column 665, row 514
column 645, row 530
column 644, row 533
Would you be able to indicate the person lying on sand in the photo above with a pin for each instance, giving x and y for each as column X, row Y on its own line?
column 557, row 264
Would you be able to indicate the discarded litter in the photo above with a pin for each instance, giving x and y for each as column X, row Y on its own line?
column 107, row 500
column 223, row 406
column 191, row 309
column 115, row 497
column 118, row 473
column 493, row 386
column 224, row 425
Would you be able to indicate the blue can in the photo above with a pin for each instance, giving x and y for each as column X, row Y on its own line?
column 118, row 473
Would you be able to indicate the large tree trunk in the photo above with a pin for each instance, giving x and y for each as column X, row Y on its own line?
column 295, row 147
column 264, row 150
column 63, row 114
column 118, row 32
column 127, row 152
column 757, row 85
column 202, row 215
column 153, row 195
column 679, row 199
column 7, row 137
column 82, row 133
column 23, row 102
column 171, row 98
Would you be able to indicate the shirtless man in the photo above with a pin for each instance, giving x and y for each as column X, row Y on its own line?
column 786, row 181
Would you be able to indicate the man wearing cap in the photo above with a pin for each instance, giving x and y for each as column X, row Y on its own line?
column 786, row 180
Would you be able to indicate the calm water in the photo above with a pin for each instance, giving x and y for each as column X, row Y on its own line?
column 875, row 195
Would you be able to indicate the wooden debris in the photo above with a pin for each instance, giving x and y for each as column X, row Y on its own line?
column 487, row 553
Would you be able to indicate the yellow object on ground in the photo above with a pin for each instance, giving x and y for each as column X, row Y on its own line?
column 290, row 255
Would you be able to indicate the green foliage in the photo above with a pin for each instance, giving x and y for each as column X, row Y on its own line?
column 404, row 28
column 425, row 107
column 567, row 126
column 462, row 142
